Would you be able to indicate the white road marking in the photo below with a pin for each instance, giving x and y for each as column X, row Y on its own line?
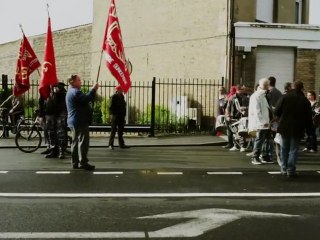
column 318, row 172
column 3, row 172
column 107, row 173
column 53, row 172
column 201, row 222
column 274, row 173
column 224, row 173
column 170, row 173
column 73, row 235
column 157, row 195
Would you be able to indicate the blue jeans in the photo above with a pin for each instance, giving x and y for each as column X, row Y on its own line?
column 262, row 136
column 289, row 154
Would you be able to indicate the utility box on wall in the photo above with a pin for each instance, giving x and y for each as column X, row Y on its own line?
column 179, row 106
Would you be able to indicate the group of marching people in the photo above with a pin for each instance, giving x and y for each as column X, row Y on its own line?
column 269, row 122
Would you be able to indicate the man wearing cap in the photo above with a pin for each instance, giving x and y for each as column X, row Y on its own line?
column 118, row 113
column 79, row 118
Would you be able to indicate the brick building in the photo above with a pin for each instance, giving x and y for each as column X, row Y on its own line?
column 240, row 40
column 72, row 51
column 274, row 38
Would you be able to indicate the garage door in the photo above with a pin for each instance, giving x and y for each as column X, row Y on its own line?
column 277, row 62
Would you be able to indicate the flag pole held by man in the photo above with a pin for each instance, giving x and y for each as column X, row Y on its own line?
column 116, row 63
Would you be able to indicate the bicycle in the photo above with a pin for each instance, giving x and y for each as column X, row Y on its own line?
column 6, row 125
column 29, row 139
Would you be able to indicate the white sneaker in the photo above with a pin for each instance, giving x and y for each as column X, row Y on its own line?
column 234, row 148
column 250, row 154
column 305, row 150
column 243, row 149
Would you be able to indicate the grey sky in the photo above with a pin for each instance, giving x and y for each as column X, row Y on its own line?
column 32, row 15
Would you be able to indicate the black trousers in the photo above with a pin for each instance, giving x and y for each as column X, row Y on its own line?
column 117, row 125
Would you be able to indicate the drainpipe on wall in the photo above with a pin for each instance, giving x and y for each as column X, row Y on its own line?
column 230, row 45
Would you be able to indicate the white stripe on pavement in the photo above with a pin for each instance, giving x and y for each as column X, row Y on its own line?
column 224, row 173
column 53, row 172
column 274, row 173
column 156, row 195
column 170, row 173
column 3, row 172
column 108, row 173
column 73, row 235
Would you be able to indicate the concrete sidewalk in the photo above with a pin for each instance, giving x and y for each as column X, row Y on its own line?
column 101, row 140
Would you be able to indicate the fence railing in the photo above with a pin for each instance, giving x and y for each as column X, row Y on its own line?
column 167, row 105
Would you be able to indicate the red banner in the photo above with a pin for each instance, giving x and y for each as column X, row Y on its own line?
column 114, row 50
column 26, row 64
column 48, row 74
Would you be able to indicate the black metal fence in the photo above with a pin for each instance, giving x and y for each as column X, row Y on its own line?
column 167, row 105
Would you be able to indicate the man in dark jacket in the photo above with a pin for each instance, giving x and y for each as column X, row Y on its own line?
column 79, row 118
column 118, row 113
column 295, row 118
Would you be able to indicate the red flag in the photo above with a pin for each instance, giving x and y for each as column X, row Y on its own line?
column 114, row 50
column 48, row 74
column 26, row 64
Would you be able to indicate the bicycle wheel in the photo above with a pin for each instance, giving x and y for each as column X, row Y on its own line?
column 1, row 129
column 28, row 139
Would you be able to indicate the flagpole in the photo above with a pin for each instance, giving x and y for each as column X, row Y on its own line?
column 21, row 29
column 99, row 65
column 48, row 10
column 24, row 34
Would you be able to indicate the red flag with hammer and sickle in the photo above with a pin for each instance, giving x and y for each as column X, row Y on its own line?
column 48, row 74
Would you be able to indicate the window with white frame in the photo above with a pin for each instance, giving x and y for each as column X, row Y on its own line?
column 264, row 11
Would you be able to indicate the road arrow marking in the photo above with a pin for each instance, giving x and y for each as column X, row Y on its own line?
column 203, row 221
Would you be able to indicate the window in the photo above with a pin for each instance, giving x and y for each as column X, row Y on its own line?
column 298, row 11
column 264, row 11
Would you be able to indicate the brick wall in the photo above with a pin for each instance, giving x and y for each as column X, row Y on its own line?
column 72, row 51
column 306, row 65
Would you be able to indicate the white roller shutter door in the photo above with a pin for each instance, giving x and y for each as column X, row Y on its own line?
column 277, row 62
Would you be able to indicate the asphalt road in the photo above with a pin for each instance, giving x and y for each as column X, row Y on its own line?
column 157, row 193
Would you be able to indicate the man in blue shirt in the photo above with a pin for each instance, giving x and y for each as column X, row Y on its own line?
column 79, row 119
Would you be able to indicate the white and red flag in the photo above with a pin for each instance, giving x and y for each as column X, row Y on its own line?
column 49, row 73
column 27, row 62
column 114, row 50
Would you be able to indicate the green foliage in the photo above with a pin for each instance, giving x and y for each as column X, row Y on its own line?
column 4, row 94
column 97, row 114
column 105, row 104
column 32, row 103
column 164, row 119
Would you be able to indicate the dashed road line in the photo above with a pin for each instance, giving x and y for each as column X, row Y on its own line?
column 170, row 173
column 53, row 172
column 158, row 173
column 225, row 173
column 275, row 173
column 108, row 173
